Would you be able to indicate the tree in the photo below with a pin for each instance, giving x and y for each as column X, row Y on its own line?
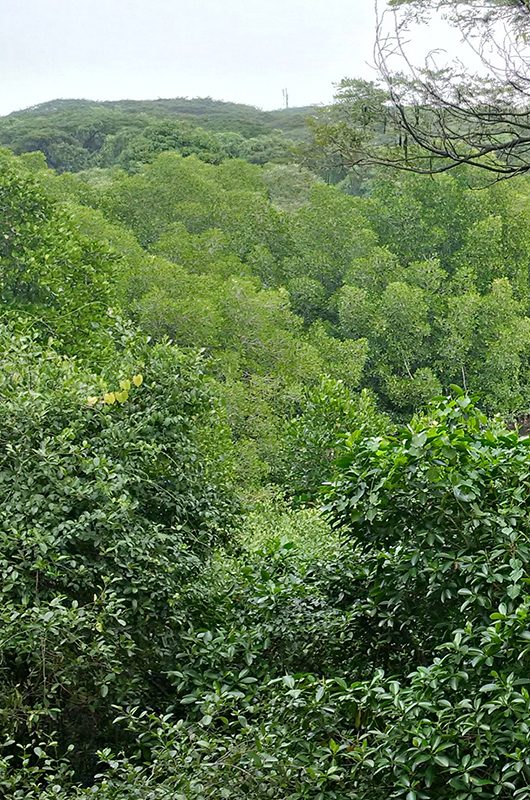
column 313, row 440
column 142, row 148
column 326, row 234
column 433, row 116
column 446, row 114
column 55, row 278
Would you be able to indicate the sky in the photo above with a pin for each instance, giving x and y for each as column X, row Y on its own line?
column 239, row 50
column 246, row 51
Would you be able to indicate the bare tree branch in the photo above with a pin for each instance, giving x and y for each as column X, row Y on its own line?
column 432, row 118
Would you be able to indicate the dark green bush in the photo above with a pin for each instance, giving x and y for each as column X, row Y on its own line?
column 439, row 514
column 113, row 491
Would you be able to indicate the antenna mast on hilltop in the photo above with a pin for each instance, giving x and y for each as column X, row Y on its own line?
column 285, row 97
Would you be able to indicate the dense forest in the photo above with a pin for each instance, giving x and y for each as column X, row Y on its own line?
column 77, row 134
column 264, row 493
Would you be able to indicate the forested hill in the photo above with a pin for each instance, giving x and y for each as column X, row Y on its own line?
column 211, row 114
column 79, row 134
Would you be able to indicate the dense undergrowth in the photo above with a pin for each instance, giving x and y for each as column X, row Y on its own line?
column 254, row 542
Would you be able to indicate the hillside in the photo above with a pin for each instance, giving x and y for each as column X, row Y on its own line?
column 210, row 114
column 75, row 135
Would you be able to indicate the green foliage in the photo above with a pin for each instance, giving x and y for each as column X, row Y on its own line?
column 131, row 150
column 439, row 515
column 314, row 438
column 272, row 148
column 308, row 298
column 55, row 278
column 289, row 185
column 326, row 235
column 386, row 658
column 113, row 489
column 154, row 643
column 75, row 135
column 433, row 508
column 411, row 268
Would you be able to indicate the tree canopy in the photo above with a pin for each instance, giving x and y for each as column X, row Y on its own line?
column 264, row 518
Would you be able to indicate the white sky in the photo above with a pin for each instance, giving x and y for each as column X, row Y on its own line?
column 240, row 50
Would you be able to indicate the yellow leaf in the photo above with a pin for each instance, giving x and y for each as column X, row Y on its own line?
column 138, row 380
column 109, row 398
column 121, row 397
column 125, row 385
column 91, row 401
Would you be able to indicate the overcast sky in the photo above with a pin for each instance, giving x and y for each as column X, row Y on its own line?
column 241, row 50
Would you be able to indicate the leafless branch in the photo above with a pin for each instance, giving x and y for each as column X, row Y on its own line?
column 435, row 118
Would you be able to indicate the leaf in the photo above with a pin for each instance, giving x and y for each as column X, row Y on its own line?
column 109, row 398
column 418, row 440
column 463, row 495
column 125, row 385
column 138, row 380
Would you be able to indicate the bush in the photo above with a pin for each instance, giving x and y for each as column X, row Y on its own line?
column 313, row 439
column 439, row 513
column 308, row 669
column 113, row 491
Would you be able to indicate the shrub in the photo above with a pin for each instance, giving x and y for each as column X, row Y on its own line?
column 113, row 491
